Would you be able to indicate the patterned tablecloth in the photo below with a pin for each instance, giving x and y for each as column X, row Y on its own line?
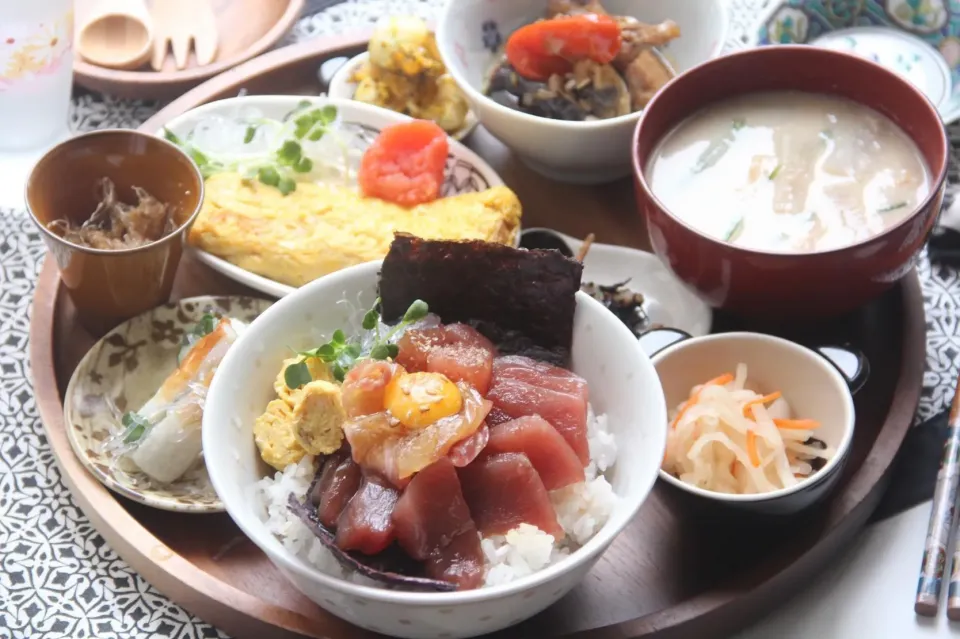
column 58, row 578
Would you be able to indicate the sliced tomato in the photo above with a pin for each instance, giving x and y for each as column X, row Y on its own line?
column 543, row 48
column 405, row 164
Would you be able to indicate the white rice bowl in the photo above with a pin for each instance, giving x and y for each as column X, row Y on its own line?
column 582, row 509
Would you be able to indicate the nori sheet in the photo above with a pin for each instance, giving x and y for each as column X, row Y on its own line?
column 499, row 289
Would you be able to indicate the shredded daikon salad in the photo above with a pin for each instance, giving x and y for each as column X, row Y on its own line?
column 730, row 439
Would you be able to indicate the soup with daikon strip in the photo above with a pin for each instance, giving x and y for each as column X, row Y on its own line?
column 789, row 172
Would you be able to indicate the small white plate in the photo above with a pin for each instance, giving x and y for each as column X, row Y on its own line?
column 668, row 301
column 341, row 86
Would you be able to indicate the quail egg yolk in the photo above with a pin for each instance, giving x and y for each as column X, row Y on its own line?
column 420, row 399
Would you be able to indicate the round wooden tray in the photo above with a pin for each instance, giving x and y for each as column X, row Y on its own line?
column 677, row 571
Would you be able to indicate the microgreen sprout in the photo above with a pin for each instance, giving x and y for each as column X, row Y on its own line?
column 281, row 166
column 342, row 354
column 208, row 322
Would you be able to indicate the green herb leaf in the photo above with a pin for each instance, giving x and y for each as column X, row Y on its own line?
column 303, row 165
column 775, row 172
column 418, row 310
column 327, row 352
column 328, row 114
column 172, row 137
column 135, row 425
column 198, row 157
column 296, row 375
column 317, row 134
column 287, row 185
column 738, row 124
column 370, row 320
column 393, row 350
column 734, row 231
column 380, row 351
column 339, row 337
column 289, row 153
column 892, row 207
column 338, row 373
column 269, row 176
column 303, row 125
column 353, row 350
column 248, row 136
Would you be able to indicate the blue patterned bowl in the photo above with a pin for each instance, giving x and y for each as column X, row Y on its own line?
column 934, row 22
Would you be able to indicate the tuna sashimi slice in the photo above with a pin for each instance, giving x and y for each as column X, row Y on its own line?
column 337, row 485
column 458, row 351
column 460, row 562
column 466, row 450
column 366, row 524
column 462, row 363
column 433, row 524
column 547, row 450
column 565, row 412
column 504, row 491
column 542, row 374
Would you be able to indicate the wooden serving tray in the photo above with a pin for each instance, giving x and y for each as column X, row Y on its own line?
column 676, row 571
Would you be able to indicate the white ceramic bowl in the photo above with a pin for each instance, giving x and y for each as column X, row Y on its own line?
column 466, row 171
column 577, row 152
column 623, row 385
column 342, row 86
column 813, row 386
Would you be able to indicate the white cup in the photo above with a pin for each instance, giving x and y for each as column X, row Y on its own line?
column 36, row 71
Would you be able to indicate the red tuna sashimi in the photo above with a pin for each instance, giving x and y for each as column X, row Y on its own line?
column 365, row 385
column 366, row 524
column 415, row 345
column 459, row 562
column 497, row 416
column 542, row 374
column 338, row 484
column 456, row 350
column 565, row 412
column 462, row 363
column 547, row 450
column 504, row 491
column 433, row 524
column 466, row 450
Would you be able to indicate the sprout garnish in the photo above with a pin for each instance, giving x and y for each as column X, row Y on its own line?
column 343, row 354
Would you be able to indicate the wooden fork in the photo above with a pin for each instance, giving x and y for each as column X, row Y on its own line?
column 180, row 22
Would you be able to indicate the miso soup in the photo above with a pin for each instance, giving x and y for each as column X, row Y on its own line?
column 789, row 172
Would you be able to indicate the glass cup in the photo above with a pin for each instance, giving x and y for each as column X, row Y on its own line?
column 36, row 71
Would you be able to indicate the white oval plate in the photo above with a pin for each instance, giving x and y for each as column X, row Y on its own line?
column 667, row 300
column 340, row 86
column 467, row 172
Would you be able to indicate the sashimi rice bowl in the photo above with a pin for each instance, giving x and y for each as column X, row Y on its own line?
column 413, row 456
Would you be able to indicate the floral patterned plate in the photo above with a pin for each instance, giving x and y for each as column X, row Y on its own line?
column 919, row 39
column 120, row 373
column 466, row 172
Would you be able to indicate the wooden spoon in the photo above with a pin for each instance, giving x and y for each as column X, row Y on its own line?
column 181, row 22
column 117, row 34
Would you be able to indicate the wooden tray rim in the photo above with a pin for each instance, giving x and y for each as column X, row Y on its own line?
column 140, row 548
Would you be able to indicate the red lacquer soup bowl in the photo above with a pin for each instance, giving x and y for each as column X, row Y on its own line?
column 795, row 285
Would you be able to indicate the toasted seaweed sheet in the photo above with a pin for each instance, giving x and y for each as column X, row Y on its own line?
column 517, row 297
column 389, row 567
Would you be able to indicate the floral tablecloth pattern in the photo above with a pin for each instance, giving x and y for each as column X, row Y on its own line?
column 58, row 578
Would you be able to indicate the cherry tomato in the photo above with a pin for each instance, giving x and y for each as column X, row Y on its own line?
column 543, row 48
column 405, row 164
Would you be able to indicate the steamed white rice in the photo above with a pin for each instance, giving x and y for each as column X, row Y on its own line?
column 582, row 510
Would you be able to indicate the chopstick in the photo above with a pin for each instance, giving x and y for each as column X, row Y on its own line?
column 942, row 518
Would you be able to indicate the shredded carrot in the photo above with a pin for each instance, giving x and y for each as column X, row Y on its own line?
column 766, row 399
column 726, row 378
column 796, row 424
column 752, row 449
